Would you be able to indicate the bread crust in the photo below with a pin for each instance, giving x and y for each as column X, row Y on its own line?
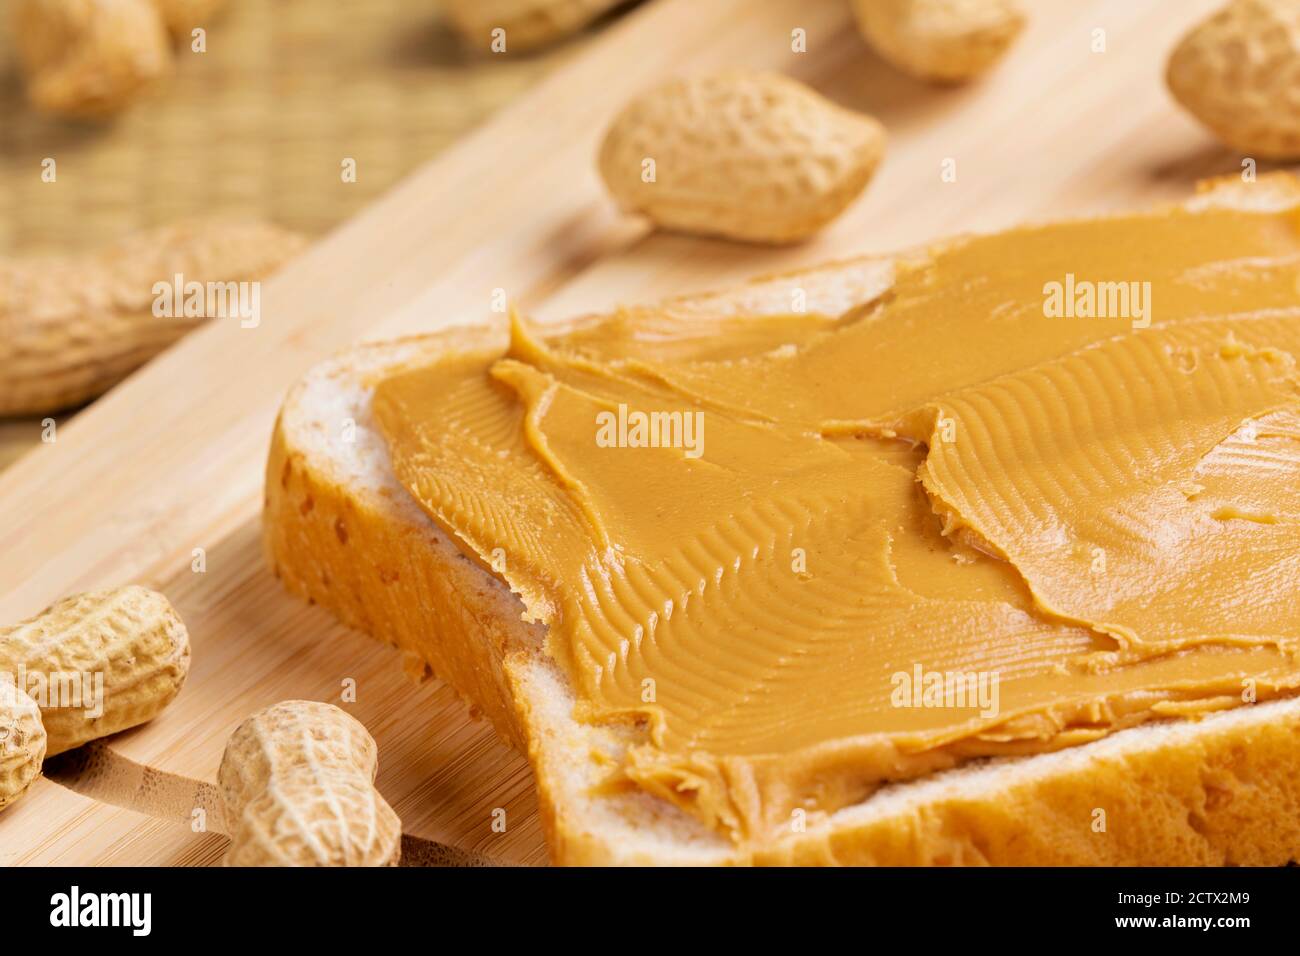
column 341, row 532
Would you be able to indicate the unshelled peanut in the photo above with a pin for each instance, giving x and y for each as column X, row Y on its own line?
column 525, row 24
column 1238, row 72
column 92, row 58
column 71, row 327
column 22, row 742
column 130, row 638
column 83, row 668
column 749, row 156
column 89, row 58
column 944, row 41
column 297, row 781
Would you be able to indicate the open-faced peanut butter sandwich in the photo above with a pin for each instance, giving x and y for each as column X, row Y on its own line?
column 984, row 553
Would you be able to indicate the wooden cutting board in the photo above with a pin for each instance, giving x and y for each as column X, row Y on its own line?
column 172, row 460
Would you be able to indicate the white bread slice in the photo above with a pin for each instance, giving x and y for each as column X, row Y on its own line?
column 341, row 531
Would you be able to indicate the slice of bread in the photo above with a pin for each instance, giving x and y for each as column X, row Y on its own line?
column 341, row 531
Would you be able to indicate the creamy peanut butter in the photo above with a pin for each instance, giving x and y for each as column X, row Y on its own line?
column 1047, row 486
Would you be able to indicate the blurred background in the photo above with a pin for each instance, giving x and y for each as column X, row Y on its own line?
column 259, row 123
column 255, row 126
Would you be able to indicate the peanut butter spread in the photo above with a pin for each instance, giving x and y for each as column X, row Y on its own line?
column 1045, row 487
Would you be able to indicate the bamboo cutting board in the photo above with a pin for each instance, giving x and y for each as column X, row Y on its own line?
column 172, row 460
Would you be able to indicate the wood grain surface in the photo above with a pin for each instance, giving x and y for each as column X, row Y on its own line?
column 172, row 460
